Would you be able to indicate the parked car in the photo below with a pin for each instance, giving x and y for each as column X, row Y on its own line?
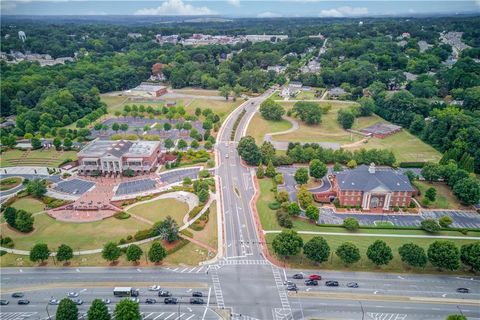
column 54, row 302
column 331, row 283
column 463, row 290
column 78, row 302
column 170, row 301
column 292, row 287
column 315, row 277
column 23, row 301
column 4, row 302
column 164, row 293
column 136, row 300
column 17, row 295
column 352, row 285
column 196, row 301
column 72, row 294
column 287, row 283
column 154, row 288
column 197, row 294
column 150, row 301
column 106, row 301
column 298, row 276
column 311, row 282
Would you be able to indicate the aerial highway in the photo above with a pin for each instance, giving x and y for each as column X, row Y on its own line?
column 242, row 283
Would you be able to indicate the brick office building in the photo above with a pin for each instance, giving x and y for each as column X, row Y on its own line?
column 113, row 157
column 371, row 188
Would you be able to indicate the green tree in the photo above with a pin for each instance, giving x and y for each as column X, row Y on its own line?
column 304, row 197
column 57, row 143
column 444, row 255
column 287, row 243
column 64, row 253
column 293, row 209
column 309, row 112
column 24, row 221
column 312, row 213
column 445, row 221
column 282, row 196
column 157, row 252
column 36, row 188
column 431, row 194
column 351, row 223
column 348, row 253
column 98, row 311
column 248, row 150
column 467, row 190
column 413, row 255
column 456, row 317
column 182, row 144
column 167, row 229
column 345, row 118
column 470, row 255
column 67, row 310
column 301, row 175
column 134, row 253
column 168, row 143
column 352, row 164
column 127, row 309
column 111, row 252
column 268, row 151
column 36, row 143
column 379, row 253
column 260, row 171
column 67, row 144
column 270, row 171
column 124, row 127
column 167, row 126
column 430, row 225
column 203, row 195
column 115, row 127
column 10, row 215
column 317, row 169
column 317, row 249
column 225, row 91
column 194, row 144
column 39, row 252
column 270, row 110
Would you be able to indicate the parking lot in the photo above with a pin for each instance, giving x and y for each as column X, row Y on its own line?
column 175, row 176
column 74, row 186
column 137, row 186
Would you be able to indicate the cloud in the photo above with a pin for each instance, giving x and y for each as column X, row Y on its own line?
column 344, row 12
column 235, row 3
column 175, row 8
column 269, row 14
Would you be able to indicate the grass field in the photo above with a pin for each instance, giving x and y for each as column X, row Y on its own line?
column 209, row 234
column 445, row 198
column 198, row 92
column 190, row 254
column 51, row 157
column 29, row 204
column 258, row 127
column 159, row 209
column 90, row 235
column 221, row 107
column 10, row 183
column 334, row 263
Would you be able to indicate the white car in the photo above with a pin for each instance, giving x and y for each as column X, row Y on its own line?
column 106, row 301
column 226, row 156
column 154, row 288
column 136, row 300
column 72, row 294
column 54, row 302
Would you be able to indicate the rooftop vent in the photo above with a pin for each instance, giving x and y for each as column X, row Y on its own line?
column 371, row 169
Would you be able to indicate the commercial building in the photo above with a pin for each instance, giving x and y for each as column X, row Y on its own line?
column 149, row 89
column 370, row 188
column 114, row 157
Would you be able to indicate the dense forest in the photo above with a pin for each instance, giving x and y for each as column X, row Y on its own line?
column 366, row 58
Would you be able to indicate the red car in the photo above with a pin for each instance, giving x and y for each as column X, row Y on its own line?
column 315, row 277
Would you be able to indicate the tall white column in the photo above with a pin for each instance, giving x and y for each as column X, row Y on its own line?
column 386, row 205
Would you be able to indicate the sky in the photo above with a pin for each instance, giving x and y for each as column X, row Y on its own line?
column 240, row 8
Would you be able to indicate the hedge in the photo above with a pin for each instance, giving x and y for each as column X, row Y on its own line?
column 418, row 164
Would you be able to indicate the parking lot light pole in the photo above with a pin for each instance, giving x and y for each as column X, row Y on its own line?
column 461, row 312
column 48, row 314
column 363, row 311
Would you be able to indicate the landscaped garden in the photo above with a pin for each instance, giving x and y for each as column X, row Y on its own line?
column 445, row 199
column 159, row 209
column 41, row 158
column 10, row 183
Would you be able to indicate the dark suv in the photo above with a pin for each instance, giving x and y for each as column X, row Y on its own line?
column 197, row 294
column 331, row 283
column 298, row 276
column 311, row 282
column 170, row 301
column 17, row 295
column 196, row 301
column 164, row 293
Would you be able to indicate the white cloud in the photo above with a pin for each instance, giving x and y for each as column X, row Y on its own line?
column 344, row 12
column 235, row 3
column 175, row 8
column 269, row 14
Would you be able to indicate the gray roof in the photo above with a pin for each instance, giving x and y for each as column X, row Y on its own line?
column 102, row 148
column 383, row 179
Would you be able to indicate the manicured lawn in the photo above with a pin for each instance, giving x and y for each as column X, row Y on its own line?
column 327, row 131
column 197, row 92
column 258, row 127
column 90, row 235
column 221, row 107
column 29, row 204
column 445, row 198
column 209, row 234
column 159, row 209
column 10, row 183
column 334, row 263
column 267, row 215
column 51, row 157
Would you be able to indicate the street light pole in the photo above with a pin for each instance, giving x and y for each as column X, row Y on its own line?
column 48, row 314
column 363, row 311
column 460, row 311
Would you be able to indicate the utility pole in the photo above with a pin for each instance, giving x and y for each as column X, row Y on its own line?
column 363, row 311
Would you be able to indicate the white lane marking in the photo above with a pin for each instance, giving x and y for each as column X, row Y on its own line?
column 78, row 270
column 148, row 315
column 208, row 303
column 181, row 315
column 444, row 295
column 158, row 316
column 173, row 313
column 20, row 270
column 83, row 290
column 190, row 317
column 139, row 270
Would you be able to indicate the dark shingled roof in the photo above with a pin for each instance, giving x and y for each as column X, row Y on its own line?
column 361, row 179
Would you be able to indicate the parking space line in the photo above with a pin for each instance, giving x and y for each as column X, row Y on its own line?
column 173, row 313
column 181, row 315
column 146, row 317
column 158, row 316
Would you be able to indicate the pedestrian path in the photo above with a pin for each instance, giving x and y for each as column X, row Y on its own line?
column 217, row 289
column 16, row 315
column 284, row 313
column 201, row 269
column 242, row 262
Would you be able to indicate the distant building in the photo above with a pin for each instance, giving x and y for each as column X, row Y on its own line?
column 149, row 89
column 336, row 93
column 277, row 69
column 113, row 157
column 134, row 35
column 265, row 37
column 381, row 130
column 291, row 90
column 370, row 188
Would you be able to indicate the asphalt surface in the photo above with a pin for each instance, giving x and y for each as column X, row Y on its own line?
column 243, row 282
